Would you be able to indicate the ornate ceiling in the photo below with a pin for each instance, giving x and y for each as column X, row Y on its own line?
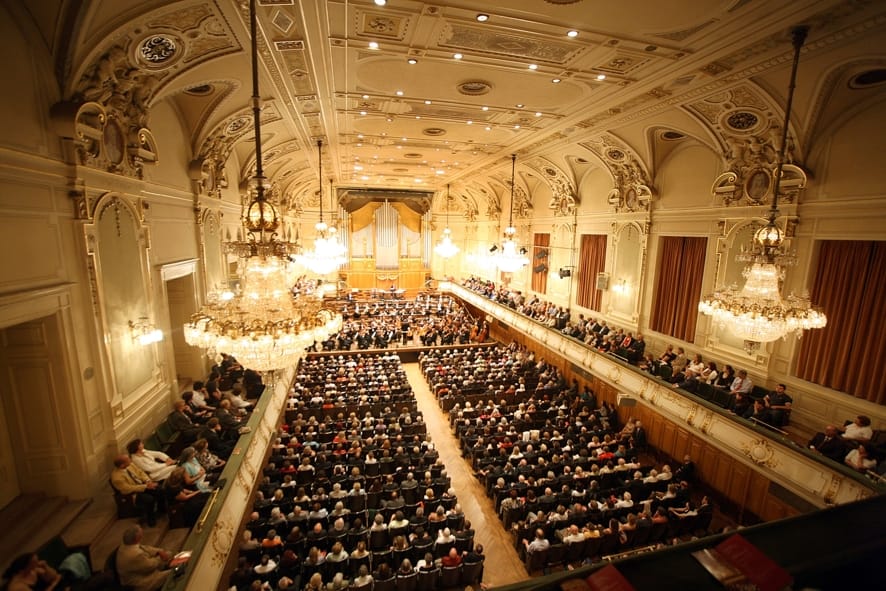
column 415, row 95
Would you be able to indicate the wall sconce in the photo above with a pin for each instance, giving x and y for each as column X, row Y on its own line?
column 621, row 286
column 145, row 333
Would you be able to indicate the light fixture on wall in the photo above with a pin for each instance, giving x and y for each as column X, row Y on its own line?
column 328, row 253
column 144, row 332
column 446, row 248
column 510, row 258
column 621, row 286
column 757, row 312
column 264, row 325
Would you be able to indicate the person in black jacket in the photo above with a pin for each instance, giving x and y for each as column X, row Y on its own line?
column 829, row 444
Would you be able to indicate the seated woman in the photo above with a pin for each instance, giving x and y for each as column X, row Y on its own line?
column 28, row 572
column 859, row 459
column 190, row 500
column 207, row 459
column 195, row 474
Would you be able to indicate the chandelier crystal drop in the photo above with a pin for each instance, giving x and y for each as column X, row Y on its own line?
column 446, row 248
column 510, row 258
column 328, row 253
column 757, row 312
column 265, row 325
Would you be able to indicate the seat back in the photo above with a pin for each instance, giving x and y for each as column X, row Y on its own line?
column 427, row 579
column 536, row 561
column 385, row 585
column 378, row 539
column 471, row 574
column 407, row 582
column 556, row 555
column 450, row 576
column 575, row 551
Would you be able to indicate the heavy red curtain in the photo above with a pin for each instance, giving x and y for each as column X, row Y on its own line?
column 847, row 355
column 591, row 261
column 540, row 262
column 678, row 286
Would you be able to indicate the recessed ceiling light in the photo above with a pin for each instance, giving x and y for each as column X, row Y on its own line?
column 601, row 76
column 488, row 128
column 485, row 108
column 389, row 119
column 363, row 112
column 383, row 134
column 364, row 178
column 417, row 180
column 412, row 61
column 358, row 167
column 457, row 56
column 520, row 105
column 365, row 96
column 572, row 33
column 538, row 113
column 533, row 66
column 470, row 122
column 517, row 126
column 373, row 45
column 418, row 116
column 381, row 2
column 403, row 138
column 439, row 171
column 556, row 81
column 360, row 135
column 399, row 93
column 427, row 102
column 482, row 17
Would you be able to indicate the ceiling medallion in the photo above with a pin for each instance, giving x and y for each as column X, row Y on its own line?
column 237, row 125
column 743, row 121
column 434, row 131
column 474, row 87
column 158, row 51
column 615, row 155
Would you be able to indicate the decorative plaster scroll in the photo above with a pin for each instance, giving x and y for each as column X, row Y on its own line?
column 633, row 189
column 760, row 452
column 693, row 408
column 564, row 199
column 747, row 124
column 222, row 540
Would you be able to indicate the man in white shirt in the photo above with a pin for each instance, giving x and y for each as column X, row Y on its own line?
column 742, row 383
column 156, row 464
column 859, row 429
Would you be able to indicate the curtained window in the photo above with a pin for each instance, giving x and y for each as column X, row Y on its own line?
column 540, row 254
column 678, row 287
column 591, row 261
column 848, row 353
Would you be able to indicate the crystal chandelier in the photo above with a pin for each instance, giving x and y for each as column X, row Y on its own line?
column 757, row 313
column 328, row 253
column 509, row 258
column 264, row 325
column 446, row 248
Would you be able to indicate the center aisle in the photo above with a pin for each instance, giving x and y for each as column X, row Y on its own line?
column 503, row 566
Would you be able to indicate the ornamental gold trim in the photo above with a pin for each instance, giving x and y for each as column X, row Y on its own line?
column 760, row 452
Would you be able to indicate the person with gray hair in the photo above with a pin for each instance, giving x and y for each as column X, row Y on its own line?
column 139, row 566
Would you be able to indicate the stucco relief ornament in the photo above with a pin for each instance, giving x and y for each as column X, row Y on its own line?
column 760, row 452
column 222, row 542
